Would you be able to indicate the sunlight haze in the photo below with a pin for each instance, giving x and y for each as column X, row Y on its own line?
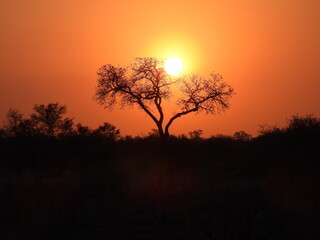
column 268, row 51
column 173, row 66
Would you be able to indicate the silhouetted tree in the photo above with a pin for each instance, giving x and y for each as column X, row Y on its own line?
column 66, row 127
column 195, row 134
column 12, row 123
column 242, row 136
column 308, row 123
column 297, row 125
column 27, row 127
column 108, row 130
column 83, row 130
column 146, row 84
column 16, row 125
column 48, row 119
column 269, row 130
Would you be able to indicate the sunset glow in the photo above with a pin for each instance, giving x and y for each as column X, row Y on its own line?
column 171, row 119
column 51, row 51
column 173, row 66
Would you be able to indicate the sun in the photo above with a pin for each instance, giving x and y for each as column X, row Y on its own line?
column 173, row 66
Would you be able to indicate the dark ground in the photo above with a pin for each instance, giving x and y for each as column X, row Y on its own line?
column 220, row 188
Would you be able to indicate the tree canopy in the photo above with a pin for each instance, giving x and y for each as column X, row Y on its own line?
column 146, row 84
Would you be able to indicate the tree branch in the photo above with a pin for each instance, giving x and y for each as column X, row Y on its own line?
column 177, row 116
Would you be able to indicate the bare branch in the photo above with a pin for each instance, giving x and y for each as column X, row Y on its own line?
column 199, row 94
column 209, row 95
column 146, row 84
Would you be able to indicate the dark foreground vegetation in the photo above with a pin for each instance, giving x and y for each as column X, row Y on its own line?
column 93, row 184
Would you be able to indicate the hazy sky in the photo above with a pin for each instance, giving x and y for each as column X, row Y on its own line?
column 269, row 51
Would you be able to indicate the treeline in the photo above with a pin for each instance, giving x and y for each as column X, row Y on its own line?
column 50, row 121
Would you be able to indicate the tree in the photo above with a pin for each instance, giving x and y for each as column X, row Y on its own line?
column 66, row 127
column 242, row 136
column 107, row 130
column 83, row 130
column 14, row 118
column 195, row 134
column 146, row 84
column 16, row 125
column 48, row 119
column 27, row 128
column 308, row 123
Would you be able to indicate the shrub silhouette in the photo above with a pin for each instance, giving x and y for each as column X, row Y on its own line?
column 107, row 130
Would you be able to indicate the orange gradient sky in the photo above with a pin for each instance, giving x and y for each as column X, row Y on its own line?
column 269, row 51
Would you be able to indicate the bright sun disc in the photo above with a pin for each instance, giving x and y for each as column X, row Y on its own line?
column 173, row 66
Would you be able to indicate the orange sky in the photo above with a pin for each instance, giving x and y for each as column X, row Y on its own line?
column 269, row 51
